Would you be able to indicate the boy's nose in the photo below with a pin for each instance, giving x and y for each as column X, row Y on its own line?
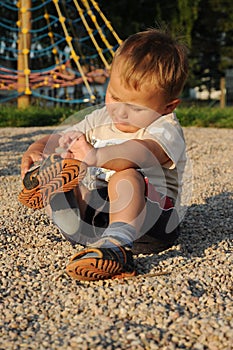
column 122, row 110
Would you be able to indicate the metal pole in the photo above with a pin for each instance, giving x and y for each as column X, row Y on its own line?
column 24, row 44
column 223, row 92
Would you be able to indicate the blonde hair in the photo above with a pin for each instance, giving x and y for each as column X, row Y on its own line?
column 153, row 57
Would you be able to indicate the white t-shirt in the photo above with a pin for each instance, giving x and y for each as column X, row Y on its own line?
column 166, row 131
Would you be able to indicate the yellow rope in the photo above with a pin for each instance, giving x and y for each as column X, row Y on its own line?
column 55, row 48
column 73, row 53
column 89, row 30
column 26, row 49
column 94, row 20
column 108, row 24
column 51, row 36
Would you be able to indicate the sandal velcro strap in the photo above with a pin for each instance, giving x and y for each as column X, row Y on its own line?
column 98, row 263
column 53, row 175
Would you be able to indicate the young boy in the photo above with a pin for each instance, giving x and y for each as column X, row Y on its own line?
column 134, row 151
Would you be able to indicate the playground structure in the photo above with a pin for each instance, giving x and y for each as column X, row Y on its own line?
column 50, row 47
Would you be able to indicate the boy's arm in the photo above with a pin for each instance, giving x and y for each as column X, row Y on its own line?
column 35, row 151
column 130, row 154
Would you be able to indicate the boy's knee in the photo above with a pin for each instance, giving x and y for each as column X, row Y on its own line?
column 66, row 214
column 130, row 174
column 67, row 220
column 125, row 182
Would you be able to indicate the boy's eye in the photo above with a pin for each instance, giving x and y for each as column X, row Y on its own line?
column 136, row 109
column 115, row 98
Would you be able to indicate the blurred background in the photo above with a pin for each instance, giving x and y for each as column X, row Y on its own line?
column 56, row 53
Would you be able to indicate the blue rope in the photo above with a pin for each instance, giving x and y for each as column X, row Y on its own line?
column 45, row 27
column 34, row 8
column 6, row 20
column 10, row 49
column 4, row 4
column 39, row 18
column 9, row 27
column 77, row 20
column 38, row 38
column 47, row 49
column 8, row 58
column 4, row 39
column 48, row 69
column 10, row 97
column 49, row 98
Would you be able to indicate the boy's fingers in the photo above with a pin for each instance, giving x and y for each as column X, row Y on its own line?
column 24, row 170
column 67, row 154
column 68, row 138
column 78, row 139
column 82, row 137
column 27, row 162
column 75, row 135
column 25, row 165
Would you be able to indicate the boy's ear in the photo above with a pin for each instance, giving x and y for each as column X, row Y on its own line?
column 172, row 105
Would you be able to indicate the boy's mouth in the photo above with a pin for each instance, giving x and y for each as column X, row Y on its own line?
column 122, row 122
column 125, row 127
column 119, row 121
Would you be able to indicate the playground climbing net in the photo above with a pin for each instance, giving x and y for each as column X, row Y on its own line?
column 49, row 48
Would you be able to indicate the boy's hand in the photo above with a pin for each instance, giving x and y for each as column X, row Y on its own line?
column 66, row 139
column 82, row 150
column 28, row 159
column 38, row 151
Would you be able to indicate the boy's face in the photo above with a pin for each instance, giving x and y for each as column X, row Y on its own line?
column 130, row 109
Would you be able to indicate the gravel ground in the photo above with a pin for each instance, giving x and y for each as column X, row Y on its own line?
column 188, row 307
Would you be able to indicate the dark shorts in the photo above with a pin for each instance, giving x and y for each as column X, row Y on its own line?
column 159, row 230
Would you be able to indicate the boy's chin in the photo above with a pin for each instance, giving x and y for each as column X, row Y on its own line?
column 124, row 127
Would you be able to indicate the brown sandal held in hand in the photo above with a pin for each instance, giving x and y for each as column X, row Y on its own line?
column 53, row 175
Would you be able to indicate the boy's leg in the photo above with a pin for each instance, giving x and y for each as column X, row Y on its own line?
column 67, row 211
column 81, row 215
column 161, row 228
column 65, row 214
column 111, row 256
column 150, row 223
column 126, row 192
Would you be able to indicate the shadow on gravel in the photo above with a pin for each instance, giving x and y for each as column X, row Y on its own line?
column 17, row 144
column 21, row 141
column 207, row 224
column 204, row 226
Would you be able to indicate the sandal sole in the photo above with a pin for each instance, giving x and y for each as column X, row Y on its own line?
column 93, row 269
column 58, row 175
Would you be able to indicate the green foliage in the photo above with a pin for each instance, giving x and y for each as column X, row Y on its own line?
column 206, row 116
column 188, row 116
column 206, row 26
column 131, row 16
column 188, row 12
column 33, row 116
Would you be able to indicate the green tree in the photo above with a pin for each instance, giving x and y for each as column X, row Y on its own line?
column 129, row 16
column 212, row 42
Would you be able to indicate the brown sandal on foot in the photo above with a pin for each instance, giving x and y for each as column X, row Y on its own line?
column 98, row 263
